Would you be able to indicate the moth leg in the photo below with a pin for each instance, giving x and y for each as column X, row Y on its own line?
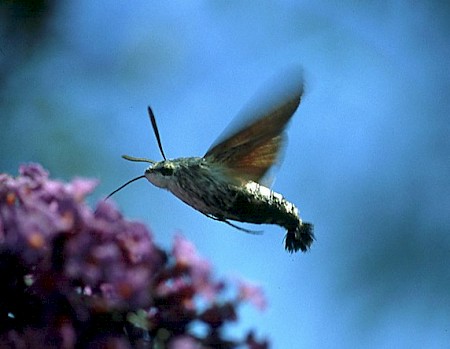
column 249, row 231
column 255, row 232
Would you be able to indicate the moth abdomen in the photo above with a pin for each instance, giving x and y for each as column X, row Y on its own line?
column 299, row 238
column 254, row 203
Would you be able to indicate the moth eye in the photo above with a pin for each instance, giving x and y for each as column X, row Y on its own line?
column 166, row 171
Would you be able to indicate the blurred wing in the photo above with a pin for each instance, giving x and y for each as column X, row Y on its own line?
column 251, row 149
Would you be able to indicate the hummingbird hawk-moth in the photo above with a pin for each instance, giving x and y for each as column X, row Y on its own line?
column 225, row 184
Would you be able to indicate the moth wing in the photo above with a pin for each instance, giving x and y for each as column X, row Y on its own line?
column 249, row 150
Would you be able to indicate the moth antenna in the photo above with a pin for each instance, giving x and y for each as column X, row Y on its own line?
column 132, row 158
column 123, row 186
column 155, row 130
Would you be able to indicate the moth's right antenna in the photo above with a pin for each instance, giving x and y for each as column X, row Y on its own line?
column 155, row 130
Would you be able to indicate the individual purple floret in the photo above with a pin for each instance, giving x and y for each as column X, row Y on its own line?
column 77, row 278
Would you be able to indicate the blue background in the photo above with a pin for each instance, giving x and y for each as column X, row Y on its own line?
column 368, row 159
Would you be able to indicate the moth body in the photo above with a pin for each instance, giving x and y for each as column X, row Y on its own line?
column 209, row 189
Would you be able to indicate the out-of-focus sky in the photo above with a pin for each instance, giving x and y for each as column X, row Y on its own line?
column 368, row 159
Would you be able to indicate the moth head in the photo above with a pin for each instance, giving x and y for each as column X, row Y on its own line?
column 161, row 173
column 158, row 173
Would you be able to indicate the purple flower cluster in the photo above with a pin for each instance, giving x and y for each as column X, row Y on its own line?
column 77, row 278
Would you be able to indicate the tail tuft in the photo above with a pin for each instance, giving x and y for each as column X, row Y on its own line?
column 299, row 239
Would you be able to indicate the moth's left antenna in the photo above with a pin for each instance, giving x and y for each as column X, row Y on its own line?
column 155, row 129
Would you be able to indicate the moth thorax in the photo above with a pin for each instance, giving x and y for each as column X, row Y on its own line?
column 161, row 173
